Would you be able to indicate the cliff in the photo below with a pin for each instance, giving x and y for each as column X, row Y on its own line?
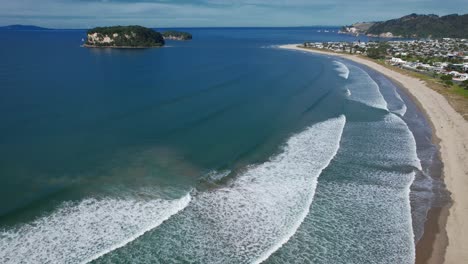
column 356, row 28
column 124, row 36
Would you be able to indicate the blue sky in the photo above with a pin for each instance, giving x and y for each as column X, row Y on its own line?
column 209, row 13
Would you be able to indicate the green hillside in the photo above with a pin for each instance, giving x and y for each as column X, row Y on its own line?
column 422, row 26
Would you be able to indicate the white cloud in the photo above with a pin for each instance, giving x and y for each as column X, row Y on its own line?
column 164, row 13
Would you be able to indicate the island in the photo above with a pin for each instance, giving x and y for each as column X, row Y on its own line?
column 123, row 37
column 177, row 35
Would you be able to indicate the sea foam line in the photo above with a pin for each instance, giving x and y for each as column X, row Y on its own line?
column 306, row 211
column 403, row 109
column 250, row 216
column 365, row 90
column 410, row 183
column 342, row 69
column 83, row 232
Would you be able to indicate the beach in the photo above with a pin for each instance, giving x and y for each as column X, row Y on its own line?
column 446, row 231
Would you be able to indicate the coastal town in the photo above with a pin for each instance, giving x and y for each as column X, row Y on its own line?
column 446, row 58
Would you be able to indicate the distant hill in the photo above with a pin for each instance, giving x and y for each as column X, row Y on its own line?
column 22, row 28
column 422, row 26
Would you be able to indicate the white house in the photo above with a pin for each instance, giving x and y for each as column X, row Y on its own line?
column 397, row 61
column 461, row 77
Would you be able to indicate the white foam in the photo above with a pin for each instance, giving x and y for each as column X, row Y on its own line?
column 215, row 176
column 254, row 214
column 348, row 92
column 365, row 215
column 342, row 69
column 402, row 110
column 395, row 102
column 82, row 232
column 300, row 218
column 364, row 89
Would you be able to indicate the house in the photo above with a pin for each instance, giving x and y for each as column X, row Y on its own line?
column 397, row 61
column 461, row 77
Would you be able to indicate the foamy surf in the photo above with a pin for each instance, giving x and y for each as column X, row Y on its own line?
column 341, row 69
column 365, row 212
column 403, row 108
column 305, row 212
column 253, row 215
column 364, row 89
column 80, row 233
column 395, row 103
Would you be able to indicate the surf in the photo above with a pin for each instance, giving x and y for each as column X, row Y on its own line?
column 84, row 231
column 367, row 206
column 254, row 214
column 341, row 69
column 364, row 89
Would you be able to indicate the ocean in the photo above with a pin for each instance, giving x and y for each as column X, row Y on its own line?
column 223, row 149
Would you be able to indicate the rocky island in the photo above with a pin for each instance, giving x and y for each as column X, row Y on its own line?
column 177, row 35
column 123, row 37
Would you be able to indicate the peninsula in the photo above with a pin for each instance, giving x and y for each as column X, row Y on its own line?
column 413, row 26
column 123, row 37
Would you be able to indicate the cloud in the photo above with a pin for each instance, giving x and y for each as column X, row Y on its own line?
column 166, row 13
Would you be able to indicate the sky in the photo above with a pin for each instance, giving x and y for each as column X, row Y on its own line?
column 215, row 13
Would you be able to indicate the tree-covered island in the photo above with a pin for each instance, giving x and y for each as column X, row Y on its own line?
column 124, row 37
column 177, row 35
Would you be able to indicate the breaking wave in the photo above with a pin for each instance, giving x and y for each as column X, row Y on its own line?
column 364, row 89
column 250, row 217
column 82, row 232
column 342, row 69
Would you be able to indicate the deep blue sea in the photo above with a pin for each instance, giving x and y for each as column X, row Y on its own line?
column 223, row 149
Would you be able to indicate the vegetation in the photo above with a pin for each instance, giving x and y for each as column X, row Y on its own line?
column 379, row 51
column 446, row 77
column 423, row 26
column 464, row 84
column 125, row 36
column 177, row 35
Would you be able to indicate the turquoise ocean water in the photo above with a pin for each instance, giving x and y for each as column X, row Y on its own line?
column 224, row 149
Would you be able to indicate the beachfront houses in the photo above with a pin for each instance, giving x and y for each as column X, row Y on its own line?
column 440, row 56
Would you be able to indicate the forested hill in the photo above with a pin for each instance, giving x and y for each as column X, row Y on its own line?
column 422, row 26
column 124, row 36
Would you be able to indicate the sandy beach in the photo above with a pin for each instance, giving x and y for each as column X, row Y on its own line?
column 449, row 230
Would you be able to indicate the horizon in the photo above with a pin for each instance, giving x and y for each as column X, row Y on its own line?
column 182, row 27
column 83, row 14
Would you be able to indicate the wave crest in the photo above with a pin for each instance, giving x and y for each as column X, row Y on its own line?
column 85, row 231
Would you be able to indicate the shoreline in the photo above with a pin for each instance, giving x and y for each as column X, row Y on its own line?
column 445, row 237
column 119, row 47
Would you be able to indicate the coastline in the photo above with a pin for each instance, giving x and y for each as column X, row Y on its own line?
column 118, row 47
column 445, row 232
